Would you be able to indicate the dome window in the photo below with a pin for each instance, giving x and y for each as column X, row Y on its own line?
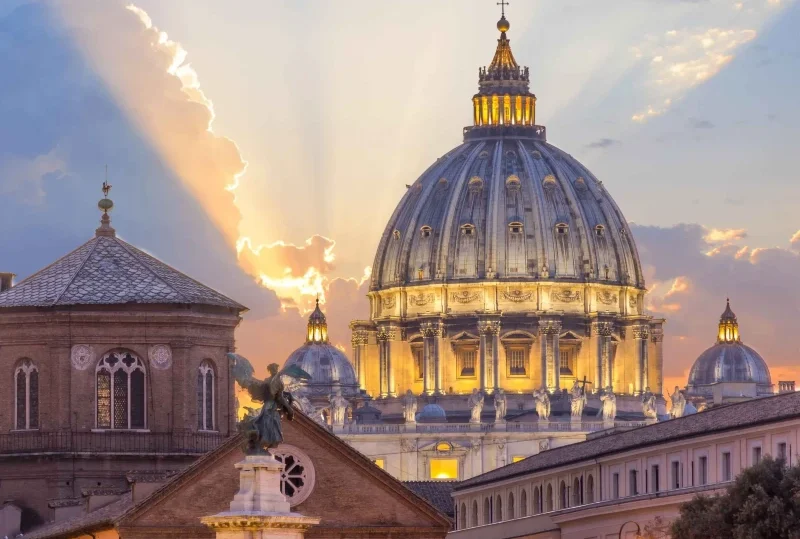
column 599, row 231
column 475, row 184
column 562, row 228
column 483, row 155
column 425, row 231
column 515, row 227
column 396, row 234
column 443, row 183
column 549, row 181
column 536, row 154
column 513, row 183
column 444, row 447
column 468, row 230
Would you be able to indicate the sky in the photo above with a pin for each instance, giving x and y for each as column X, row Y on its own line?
column 260, row 147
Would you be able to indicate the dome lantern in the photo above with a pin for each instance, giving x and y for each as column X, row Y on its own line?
column 317, row 327
column 728, row 326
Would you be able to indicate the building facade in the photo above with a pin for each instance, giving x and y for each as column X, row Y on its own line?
column 110, row 362
column 622, row 484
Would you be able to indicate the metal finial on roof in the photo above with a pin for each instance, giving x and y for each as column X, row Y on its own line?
column 105, row 205
column 503, row 25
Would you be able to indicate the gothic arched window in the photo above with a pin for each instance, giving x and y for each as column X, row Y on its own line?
column 205, row 396
column 26, row 396
column 120, row 390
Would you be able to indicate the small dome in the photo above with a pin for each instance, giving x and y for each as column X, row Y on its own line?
column 432, row 413
column 729, row 362
column 327, row 365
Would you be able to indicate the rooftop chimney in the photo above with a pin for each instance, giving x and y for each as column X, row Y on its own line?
column 6, row 281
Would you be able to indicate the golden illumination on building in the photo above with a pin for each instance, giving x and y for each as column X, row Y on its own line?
column 380, row 463
column 317, row 327
column 444, row 469
column 517, row 458
column 728, row 326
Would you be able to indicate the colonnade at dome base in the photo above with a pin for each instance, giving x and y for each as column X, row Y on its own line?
column 447, row 339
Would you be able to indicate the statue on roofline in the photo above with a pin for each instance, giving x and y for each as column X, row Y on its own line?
column 264, row 429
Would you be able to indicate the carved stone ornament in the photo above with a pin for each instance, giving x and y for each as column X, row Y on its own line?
column 421, row 299
column 82, row 356
column 566, row 296
column 358, row 337
column 161, row 356
column 298, row 477
column 606, row 298
column 632, row 302
column 389, row 302
column 465, row 296
column 518, row 296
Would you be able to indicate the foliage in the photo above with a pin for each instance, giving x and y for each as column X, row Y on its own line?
column 763, row 503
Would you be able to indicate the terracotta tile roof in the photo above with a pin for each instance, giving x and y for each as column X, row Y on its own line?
column 108, row 271
column 740, row 415
column 438, row 494
column 103, row 518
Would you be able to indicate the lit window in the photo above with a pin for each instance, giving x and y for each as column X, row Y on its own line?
column 517, row 458
column 466, row 358
column 26, row 387
column 444, row 469
column 120, row 392
column 205, row 396
column 380, row 463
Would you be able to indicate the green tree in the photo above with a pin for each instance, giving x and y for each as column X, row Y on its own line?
column 763, row 503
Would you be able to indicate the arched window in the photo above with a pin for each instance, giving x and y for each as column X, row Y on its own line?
column 523, row 503
column 548, row 502
column 26, row 396
column 487, row 511
column 463, row 516
column 510, row 509
column 537, row 501
column 205, row 396
column 590, row 489
column 474, row 513
column 120, row 390
column 564, row 496
column 498, row 510
column 576, row 492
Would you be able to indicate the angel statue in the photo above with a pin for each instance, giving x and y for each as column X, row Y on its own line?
column 264, row 430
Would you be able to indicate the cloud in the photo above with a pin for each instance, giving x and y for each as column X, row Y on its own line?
column 603, row 143
column 795, row 240
column 720, row 235
column 689, row 289
column 679, row 60
column 696, row 123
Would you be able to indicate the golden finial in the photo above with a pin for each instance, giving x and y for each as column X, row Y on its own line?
column 105, row 206
column 503, row 25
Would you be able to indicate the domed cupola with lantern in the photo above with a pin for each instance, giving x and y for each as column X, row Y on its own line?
column 507, row 265
column 729, row 370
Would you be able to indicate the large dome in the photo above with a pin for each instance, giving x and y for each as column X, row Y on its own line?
column 507, row 207
column 729, row 360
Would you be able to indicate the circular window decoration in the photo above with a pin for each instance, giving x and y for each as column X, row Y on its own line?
column 161, row 356
column 298, row 476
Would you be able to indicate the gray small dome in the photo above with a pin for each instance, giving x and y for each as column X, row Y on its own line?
column 327, row 366
column 432, row 413
column 729, row 362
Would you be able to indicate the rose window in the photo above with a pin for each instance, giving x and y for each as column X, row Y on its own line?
column 297, row 477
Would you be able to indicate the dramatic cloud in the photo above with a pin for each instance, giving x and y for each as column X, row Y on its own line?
column 689, row 289
column 679, row 60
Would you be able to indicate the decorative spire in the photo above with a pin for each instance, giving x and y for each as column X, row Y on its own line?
column 504, row 99
column 728, row 326
column 317, row 327
column 105, row 205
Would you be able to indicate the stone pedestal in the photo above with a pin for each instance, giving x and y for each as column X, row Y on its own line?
column 259, row 510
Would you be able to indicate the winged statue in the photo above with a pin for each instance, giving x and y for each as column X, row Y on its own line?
column 264, row 428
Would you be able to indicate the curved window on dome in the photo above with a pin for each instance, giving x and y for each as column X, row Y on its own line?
column 396, row 234
column 444, row 447
column 515, row 227
column 475, row 184
column 562, row 228
column 120, row 391
column 468, row 230
column 26, row 398
column 425, row 231
column 512, row 182
column 205, row 396
column 599, row 231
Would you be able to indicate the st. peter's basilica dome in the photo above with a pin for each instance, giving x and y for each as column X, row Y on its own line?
column 729, row 360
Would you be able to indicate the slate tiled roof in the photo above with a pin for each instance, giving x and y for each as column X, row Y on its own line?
column 108, row 271
column 102, row 518
column 741, row 415
column 438, row 494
